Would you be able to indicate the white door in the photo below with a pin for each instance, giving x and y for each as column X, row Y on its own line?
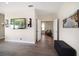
column 55, row 29
column 38, row 30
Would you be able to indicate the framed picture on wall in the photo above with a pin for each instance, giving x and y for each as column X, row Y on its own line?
column 18, row 23
column 72, row 21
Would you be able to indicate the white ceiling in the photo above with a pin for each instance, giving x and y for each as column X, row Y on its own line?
column 42, row 8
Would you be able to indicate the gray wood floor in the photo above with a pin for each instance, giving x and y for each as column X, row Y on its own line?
column 43, row 48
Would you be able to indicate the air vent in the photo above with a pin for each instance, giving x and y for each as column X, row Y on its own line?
column 30, row 6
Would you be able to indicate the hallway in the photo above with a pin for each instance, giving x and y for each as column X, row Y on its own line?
column 43, row 48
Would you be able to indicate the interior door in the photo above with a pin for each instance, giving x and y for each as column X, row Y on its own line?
column 38, row 30
column 2, row 30
column 56, row 29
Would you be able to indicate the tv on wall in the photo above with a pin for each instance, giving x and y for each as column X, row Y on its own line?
column 18, row 23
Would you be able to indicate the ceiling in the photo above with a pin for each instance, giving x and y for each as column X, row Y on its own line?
column 42, row 8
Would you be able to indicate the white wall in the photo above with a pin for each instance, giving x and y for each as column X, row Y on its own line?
column 28, row 35
column 1, row 10
column 47, row 17
column 69, row 35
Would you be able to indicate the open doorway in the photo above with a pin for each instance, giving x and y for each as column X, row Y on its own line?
column 47, row 28
column 47, row 33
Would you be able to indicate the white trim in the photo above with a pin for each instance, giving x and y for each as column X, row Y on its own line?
column 20, row 41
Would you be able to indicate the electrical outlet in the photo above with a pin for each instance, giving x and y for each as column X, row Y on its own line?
column 20, row 38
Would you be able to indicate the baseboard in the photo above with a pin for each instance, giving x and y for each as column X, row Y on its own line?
column 20, row 41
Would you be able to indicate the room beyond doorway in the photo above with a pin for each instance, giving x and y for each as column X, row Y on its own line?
column 47, row 28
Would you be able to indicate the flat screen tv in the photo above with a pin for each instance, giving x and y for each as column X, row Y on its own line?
column 18, row 23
